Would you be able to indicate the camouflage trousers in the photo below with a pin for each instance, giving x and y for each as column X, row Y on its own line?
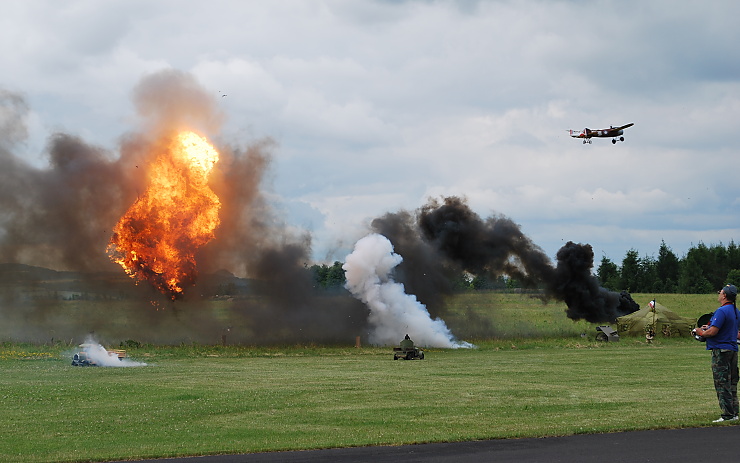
column 725, row 373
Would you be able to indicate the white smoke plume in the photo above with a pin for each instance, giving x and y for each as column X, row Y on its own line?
column 393, row 313
column 101, row 357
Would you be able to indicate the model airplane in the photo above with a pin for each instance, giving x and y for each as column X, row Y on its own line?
column 614, row 132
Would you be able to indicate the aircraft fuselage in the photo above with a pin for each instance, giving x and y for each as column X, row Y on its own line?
column 612, row 132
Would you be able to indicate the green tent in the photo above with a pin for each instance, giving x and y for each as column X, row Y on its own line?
column 657, row 318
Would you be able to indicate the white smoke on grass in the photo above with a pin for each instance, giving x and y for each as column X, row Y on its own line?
column 393, row 313
column 101, row 357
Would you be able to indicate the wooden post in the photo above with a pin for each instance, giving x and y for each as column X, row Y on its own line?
column 357, row 342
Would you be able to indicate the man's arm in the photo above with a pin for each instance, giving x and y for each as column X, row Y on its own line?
column 708, row 331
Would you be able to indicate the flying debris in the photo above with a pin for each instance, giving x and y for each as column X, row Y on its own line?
column 614, row 132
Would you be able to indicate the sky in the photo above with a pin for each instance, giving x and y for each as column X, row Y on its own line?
column 377, row 106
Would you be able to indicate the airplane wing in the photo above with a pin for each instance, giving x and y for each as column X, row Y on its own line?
column 625, row 126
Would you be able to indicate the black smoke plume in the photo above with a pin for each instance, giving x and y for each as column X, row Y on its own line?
column 574, row 284
column 449, row 237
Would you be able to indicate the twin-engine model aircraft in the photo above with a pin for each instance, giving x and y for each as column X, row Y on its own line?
column 612, row 132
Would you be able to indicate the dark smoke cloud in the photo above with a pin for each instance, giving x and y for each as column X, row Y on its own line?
column 172, row 99
column 61, row 217
column 574, row 284
column 495, row 246
column 449, row 236
column 285, row 307
column 421, row 270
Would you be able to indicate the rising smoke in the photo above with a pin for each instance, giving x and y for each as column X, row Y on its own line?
column 104, row 358
column 393, row 313
column 449, row 235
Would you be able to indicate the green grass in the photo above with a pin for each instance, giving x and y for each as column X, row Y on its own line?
column 196, row 400
column 522, row 315
column 255, row 400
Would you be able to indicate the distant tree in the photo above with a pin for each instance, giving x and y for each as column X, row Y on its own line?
column 461, row 281
column 480, row 282
column 486, row 282
column 733, row 277
column 319, row 273
column 608, row 274
column 692, row 279
column 630, row 274
column 667, row 268
column 720, row 265
column 335, row 276
column 648, row 281
column 712, row 262
column 328, row 277
column 733, row 256
column 512, row 283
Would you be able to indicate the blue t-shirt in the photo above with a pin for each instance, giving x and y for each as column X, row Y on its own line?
column 726, row 319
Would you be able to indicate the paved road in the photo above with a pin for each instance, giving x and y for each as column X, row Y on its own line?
column 720, row 443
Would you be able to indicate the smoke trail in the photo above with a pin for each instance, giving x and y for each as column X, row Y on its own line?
column 393, row 313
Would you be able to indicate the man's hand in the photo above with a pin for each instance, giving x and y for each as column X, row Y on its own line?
column 707, row 331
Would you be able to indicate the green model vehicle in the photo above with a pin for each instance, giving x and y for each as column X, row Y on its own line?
column 407, row 351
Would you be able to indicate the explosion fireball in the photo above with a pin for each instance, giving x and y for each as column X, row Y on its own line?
column 156, row 240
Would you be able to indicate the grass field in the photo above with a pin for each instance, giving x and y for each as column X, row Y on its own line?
column 517, row 315
column 194, row 399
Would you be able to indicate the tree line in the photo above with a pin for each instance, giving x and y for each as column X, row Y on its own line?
column 328, row 277
column 702, row 270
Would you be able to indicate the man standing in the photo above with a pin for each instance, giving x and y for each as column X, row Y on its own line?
column 721, row 335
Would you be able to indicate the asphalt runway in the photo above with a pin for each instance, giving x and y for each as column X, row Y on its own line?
column 715, row 443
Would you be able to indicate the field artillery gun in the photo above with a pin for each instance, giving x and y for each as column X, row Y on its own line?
column 407, row 351
column 606, row 333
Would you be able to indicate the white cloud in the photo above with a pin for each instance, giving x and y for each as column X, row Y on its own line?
column 377, row 105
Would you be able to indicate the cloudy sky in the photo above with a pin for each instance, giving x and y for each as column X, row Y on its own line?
column 376, row 106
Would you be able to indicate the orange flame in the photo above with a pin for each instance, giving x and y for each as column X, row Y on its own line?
column 157, row 238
